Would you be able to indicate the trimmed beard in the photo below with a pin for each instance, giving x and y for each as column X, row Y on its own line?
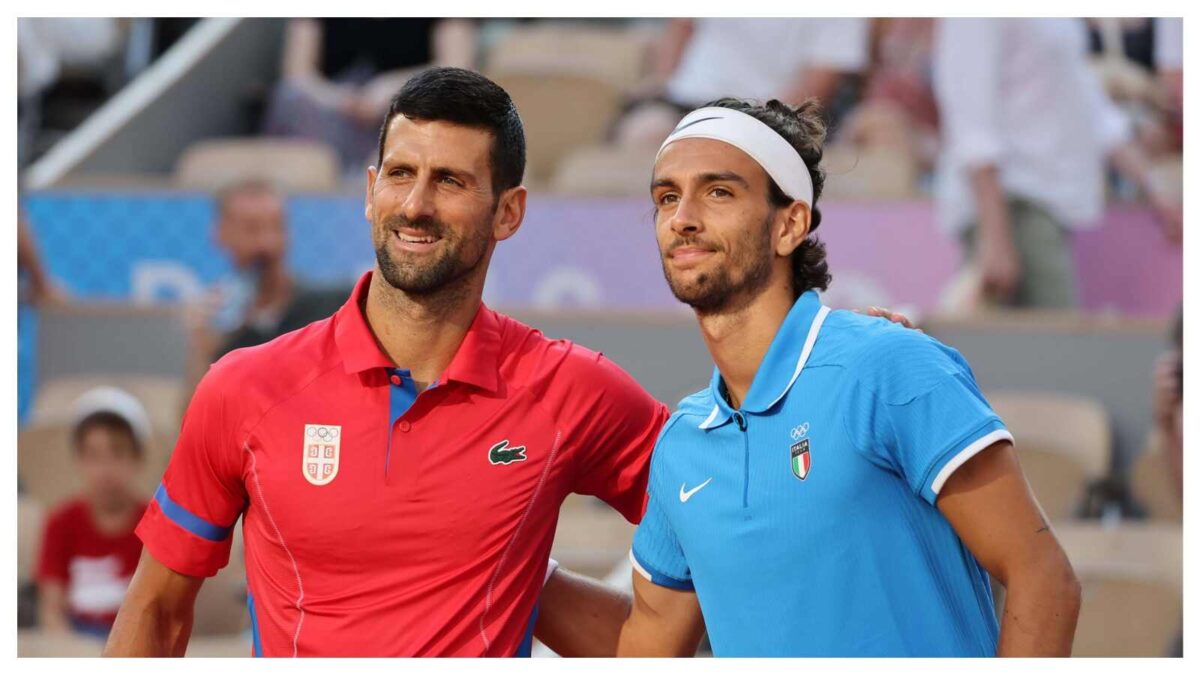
column 746, row 272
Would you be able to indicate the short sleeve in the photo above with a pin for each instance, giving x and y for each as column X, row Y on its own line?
column 189, row 523
column 915, row 407
column 656, row 553
column 54, row 556
column 968, row 56
column 619, row 425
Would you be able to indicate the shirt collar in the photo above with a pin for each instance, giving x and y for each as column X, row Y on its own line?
column 785, row 358
column 476, row 362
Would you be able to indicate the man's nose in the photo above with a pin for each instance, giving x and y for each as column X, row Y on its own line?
column 418, row 203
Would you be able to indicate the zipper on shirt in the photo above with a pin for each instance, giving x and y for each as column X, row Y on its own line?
column 740, row 419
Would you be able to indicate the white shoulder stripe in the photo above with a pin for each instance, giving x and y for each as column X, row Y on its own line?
column 967, row 453
column 638, row 566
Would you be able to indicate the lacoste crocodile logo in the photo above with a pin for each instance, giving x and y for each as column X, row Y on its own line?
column 500, row 453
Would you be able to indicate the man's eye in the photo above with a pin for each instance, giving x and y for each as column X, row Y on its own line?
column 668, row 198
column 450, row 181
column 721, row 192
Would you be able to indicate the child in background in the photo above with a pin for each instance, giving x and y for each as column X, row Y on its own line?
column 89, row 550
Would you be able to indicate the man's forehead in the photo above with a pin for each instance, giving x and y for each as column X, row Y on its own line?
column 444, row 140
column 692, row 158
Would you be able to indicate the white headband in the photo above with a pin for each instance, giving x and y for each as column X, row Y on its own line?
column 774, row 154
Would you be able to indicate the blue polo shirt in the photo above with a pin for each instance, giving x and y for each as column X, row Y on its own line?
column 805, row 521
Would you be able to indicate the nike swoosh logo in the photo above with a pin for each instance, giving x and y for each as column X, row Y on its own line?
column 686, row 495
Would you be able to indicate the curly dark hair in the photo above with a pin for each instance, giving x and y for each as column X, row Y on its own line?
column 802, row 126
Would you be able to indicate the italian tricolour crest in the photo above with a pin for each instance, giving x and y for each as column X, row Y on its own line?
column 801, row 459
column 322, row 448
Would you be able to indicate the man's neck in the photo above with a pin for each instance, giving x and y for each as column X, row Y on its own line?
column 421, row 333
column 738, row 338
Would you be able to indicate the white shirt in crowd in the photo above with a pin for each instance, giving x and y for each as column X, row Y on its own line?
column 1019, row 94
column 759, row 58
column 1168, row 43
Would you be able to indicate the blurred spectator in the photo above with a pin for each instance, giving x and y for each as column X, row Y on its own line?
column 699, row 60
column 1027, row 129
column 1168, row 65
column 898, row 111
column 339, row 75
column 1168, row 402
column 66, row 67
column 260, row 300
column 89, row 550
column 36, row 286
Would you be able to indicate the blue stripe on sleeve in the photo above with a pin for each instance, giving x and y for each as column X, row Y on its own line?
column 188, row 520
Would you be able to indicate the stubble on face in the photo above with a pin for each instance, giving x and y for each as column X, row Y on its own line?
column 744, row 270
column 459, row 256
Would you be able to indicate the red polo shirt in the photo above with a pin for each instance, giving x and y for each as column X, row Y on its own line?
column 379, row 522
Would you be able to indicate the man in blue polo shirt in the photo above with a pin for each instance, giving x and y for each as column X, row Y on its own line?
column 841, row 488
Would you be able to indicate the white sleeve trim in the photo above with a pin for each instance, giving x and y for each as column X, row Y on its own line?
column 638, row 566
column 965, row 454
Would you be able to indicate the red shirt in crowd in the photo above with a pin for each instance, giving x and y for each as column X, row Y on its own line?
column 382, row 522
column 94, row 567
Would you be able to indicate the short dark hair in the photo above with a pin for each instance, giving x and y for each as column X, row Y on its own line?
column 245, row 186
column 470, row 99
column 106, row 420
column 803, row 127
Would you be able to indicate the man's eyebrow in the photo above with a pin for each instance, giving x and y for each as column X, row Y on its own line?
column 460, row 174
column 453, row 173
column 724, row 176
column 662, row 182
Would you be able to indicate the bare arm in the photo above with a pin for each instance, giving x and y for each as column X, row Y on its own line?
column 997, row 254
column 302, row 49
column 52, row 607
column 1131, row 161
column 990, row 506
column 664, row 622
column 156, row 617
column 454, row 43
column 665, row 56
column 580, row 616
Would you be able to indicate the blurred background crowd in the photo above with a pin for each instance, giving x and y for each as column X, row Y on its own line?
column 192, row 186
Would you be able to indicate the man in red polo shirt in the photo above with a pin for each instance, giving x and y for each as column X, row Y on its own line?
column 399, row 467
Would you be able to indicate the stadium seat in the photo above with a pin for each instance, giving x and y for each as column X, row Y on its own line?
column 291, row 165
column 561, row 112
column 1062, row 441
column 30, row 515
column 1132, row 578
column 1153, row 485
column 161, row 396
column 605, row 171
column 855, row 174
column 616, row 55
column 46, row 466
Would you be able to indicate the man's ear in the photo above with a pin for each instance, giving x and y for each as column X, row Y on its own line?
column 510, row 213
column 793, row 227
column 369, row 205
